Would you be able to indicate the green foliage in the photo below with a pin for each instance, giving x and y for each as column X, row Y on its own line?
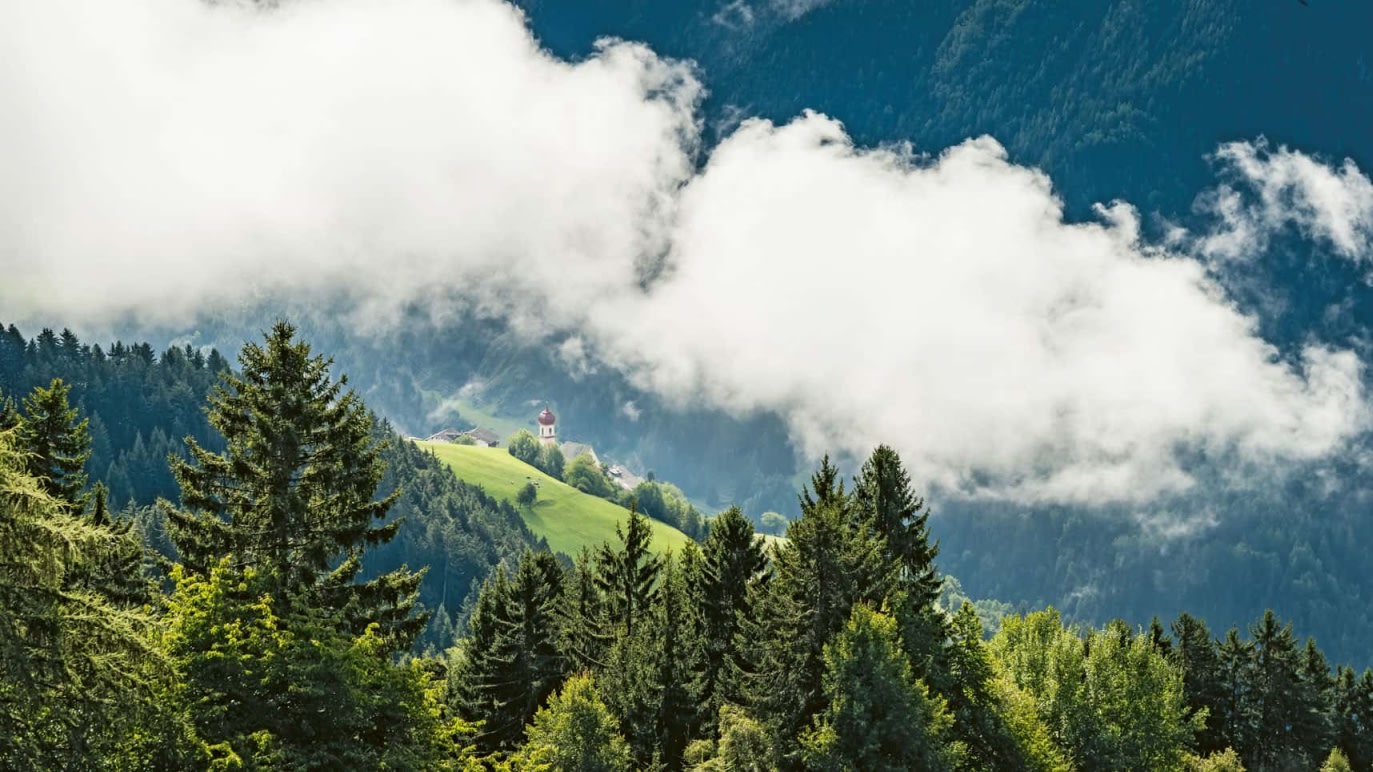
column 826, row 567
column 551, row 461
column 743, row 746
column 1033, row 742
column 627, row 576
column 1111, row 700
column 57, row 445
column 524, row 446
column 651, row 676
column 666, row 502
column 511, row 662
column 879, row 716
column 732, row 562
column 1336, row 762
column 282, row 686
column 574, row 733
column 1220, row 761
column 79, row 676
column 527, row 495
column 292, row 494
column 584, row 474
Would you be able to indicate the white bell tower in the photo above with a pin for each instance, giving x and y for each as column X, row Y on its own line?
column 548, row 427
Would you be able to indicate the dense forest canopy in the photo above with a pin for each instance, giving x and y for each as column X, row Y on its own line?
column 273, row 634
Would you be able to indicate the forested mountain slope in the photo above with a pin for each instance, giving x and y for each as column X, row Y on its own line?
column 141, row 405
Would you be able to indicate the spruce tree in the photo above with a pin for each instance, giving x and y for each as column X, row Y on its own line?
column 1352, row 707
column 512, row 660
column 732, row 560
column 627, row 576
column 292, row 495
column 583, row 624
column 78, row 675
column 58, row 445
column 884, row 501
column 1194, row 652
column 826, row 566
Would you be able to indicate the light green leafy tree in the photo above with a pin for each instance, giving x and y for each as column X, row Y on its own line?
column 879, row 716
column 574, row 733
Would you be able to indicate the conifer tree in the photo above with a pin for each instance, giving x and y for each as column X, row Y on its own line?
column 826, row 566
column 1276, row 695
column 58, row 444
column 77, row 674
column 512, row 662
column 1352, row 706
column 732, row 561
column 884, row 500
column 292, row 494
column 582, row 617
column 1194, row 652
column 627, row 576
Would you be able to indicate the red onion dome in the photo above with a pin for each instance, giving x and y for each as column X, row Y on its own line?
column 546, row 418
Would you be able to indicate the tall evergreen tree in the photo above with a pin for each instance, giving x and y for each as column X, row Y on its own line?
column 582, row 616
column 292, row 494
column 78, row 675
column 732, row 562
column 627, row 576
column 57, row 443
column 1352, row 707
column 826, row 566
column 1194, row 652
column 512, row 660
column 885, row 501
column 1275, row 692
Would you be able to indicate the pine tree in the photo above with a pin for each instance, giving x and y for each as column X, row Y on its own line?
column 732, row 562
column 1352, row 706
column 878, row 716
column 77, row 674
column 677, row 627
column 884, row 501
column 582, row 617
column 1275, row 692
column 512, row 659
column 292, row 494
column 1194, row 652
column 627, row 576
column 824, row 569
column 58, row 445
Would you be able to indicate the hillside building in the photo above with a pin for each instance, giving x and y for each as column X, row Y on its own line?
column 548, row 427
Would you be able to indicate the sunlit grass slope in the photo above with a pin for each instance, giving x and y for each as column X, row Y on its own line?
column 566, row 517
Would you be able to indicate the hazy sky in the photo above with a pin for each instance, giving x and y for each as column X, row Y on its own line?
column 161, row 157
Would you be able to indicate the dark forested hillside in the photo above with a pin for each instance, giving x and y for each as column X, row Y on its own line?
column 141, row 406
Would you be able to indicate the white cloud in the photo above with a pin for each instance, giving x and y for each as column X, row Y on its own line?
column 947, row 309
column 162, row 156
column 1269, row 191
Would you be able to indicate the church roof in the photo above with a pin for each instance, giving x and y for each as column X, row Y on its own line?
column 546, row 418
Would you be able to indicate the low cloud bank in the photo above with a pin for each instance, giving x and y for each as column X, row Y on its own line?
column 162, row 157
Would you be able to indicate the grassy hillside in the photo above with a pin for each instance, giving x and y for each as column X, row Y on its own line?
column 566, row 517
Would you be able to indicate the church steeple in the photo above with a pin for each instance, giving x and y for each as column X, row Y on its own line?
column 548, row 430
